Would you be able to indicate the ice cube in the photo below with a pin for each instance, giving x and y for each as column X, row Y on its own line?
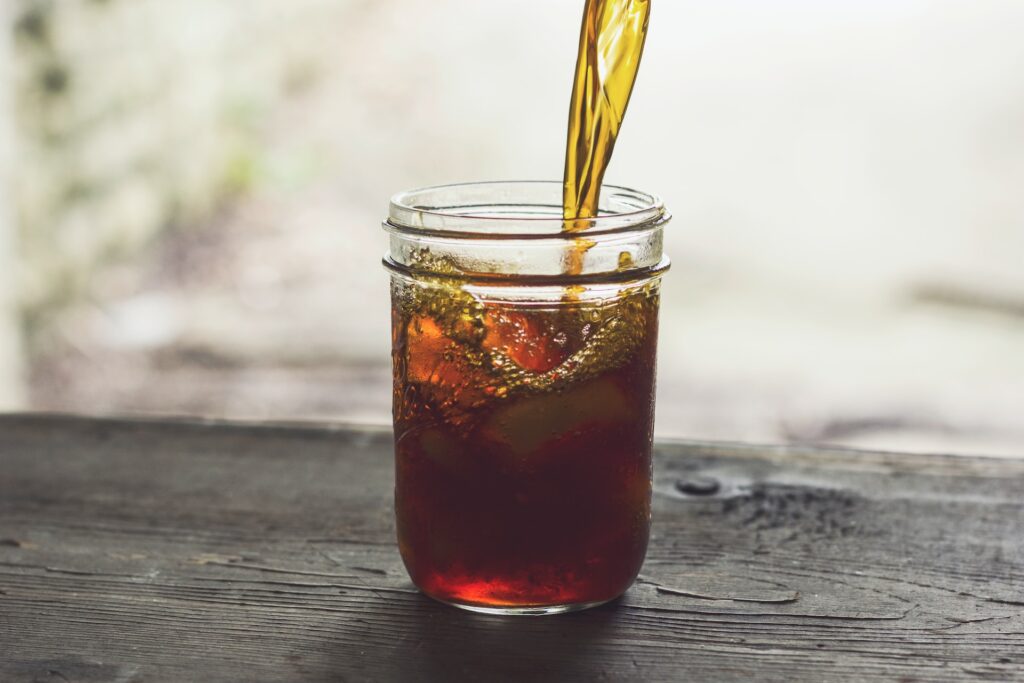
column 527, row 423
column 443, row 370
column 528, row 341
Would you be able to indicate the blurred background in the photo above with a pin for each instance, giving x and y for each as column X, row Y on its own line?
column 191, row 197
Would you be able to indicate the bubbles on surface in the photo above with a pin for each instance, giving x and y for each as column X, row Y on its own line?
column 463, row 353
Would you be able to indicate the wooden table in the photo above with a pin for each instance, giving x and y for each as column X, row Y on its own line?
column 172, row 551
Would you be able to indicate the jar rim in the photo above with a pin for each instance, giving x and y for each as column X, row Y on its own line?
column 517, row 209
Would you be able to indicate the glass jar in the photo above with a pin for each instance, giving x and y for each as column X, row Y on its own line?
column 524, row 368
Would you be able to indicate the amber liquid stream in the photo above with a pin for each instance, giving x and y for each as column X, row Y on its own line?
column 611, row 44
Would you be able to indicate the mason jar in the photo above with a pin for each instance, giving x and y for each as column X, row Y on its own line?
column 524, row 367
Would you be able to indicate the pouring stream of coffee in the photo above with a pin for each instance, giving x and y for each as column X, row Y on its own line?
column 611, row 44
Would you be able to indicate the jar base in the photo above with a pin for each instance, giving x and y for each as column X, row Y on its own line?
column 525, row 611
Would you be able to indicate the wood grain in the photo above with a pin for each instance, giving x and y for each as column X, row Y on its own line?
column 167, row 551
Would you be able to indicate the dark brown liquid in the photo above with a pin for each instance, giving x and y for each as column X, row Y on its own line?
column 531, row 491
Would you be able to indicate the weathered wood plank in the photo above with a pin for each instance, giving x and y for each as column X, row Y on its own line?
column 157, row 551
